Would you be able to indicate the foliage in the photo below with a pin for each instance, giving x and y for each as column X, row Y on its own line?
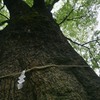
column 77, row 19
column 4, row 15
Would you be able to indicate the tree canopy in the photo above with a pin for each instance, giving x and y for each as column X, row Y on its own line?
column 77, row 20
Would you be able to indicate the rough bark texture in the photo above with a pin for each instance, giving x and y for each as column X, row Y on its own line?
column 33, row 39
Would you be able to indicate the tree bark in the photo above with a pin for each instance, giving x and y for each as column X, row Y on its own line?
column 39, row 4
column 54, row 71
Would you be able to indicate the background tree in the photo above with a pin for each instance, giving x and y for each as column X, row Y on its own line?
column 32, row 41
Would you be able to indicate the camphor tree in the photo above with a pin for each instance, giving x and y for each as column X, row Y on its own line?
column 33, row 43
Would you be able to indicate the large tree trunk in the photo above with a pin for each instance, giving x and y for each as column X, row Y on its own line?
column 54, row 71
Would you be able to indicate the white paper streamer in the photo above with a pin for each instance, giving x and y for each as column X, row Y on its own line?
column 21, row 80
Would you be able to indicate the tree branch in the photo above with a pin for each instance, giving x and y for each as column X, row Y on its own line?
column 66, row 16
column 4, row 16
column 90, row 41
column 78, row 17
column 6, row 21
column 2, row 7
column 16, row 7
column 74, row 42
column 83, row 45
